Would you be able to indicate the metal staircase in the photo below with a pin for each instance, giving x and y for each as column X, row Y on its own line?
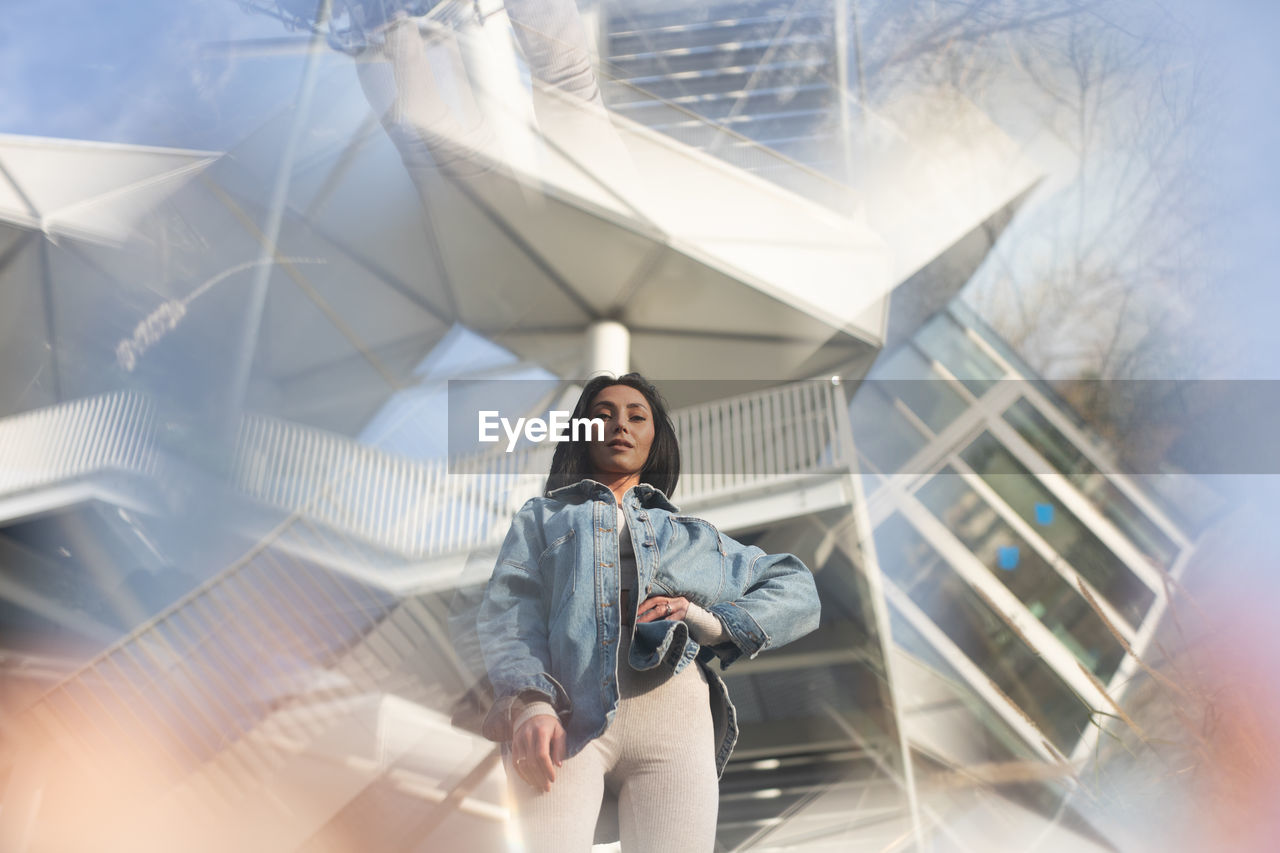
column 764, row 71
column 338, row 618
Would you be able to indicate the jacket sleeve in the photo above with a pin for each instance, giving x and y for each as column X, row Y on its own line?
column 775, row 601
column 512, row 626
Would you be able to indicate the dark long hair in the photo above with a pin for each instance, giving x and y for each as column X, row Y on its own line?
column 572, row 462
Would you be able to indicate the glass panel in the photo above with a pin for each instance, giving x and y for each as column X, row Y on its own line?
column 1077, row 544
column 943, row 340
column 819, row 710
column 1110, row 501
column 880, row 432
column 905, row 557
column 980, row 633
column 909, row 376
column 840, row 665
column 987, row 738
column 1026, row 574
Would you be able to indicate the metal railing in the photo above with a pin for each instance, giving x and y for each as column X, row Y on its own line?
column 424, row 509
column 416, row 508
column 191, row 682
column 59, row 443
column 765, row 437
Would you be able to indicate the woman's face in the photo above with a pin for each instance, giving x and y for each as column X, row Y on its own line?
column 628, row 430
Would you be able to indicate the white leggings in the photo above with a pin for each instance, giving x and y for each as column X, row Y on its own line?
column 658, row 756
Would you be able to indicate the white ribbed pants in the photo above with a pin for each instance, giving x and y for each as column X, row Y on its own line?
column 658, row 755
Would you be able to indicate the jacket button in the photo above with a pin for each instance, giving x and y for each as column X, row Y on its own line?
column 648, row 589
column 644, row 516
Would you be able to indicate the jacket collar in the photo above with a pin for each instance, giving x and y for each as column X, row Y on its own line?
column 650, row 496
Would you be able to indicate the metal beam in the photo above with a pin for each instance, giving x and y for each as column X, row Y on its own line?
column 247, row 344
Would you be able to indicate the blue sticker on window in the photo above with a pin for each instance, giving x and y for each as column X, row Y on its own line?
column 1044, row 513
column 1007, row 557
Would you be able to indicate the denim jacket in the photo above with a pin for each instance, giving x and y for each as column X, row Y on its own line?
column 549, row 621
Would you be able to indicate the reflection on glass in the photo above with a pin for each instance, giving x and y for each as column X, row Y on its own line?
column 945, row 342
column 837, row 670
column 980, row 632
column 880, row 432
column 820, row 707
column 1110, row 501
column 909, row 376
column 993, row 739
column 1077, row 544
column 1045, row 593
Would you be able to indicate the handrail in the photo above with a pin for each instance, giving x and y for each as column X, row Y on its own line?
column 425, row 509
column 58, row 443
column 422, row 508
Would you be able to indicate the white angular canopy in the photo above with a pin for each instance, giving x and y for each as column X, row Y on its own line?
column 716, row 273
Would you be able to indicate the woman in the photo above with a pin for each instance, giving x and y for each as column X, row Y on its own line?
column 598, row 626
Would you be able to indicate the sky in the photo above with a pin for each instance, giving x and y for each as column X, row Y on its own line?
column 1243, row 37
column 147, row 72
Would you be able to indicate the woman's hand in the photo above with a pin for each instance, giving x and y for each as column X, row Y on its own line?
column 538, row 749
column 657, row 607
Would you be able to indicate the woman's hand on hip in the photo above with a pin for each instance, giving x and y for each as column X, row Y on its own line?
column 538, row 749
column 657, row 607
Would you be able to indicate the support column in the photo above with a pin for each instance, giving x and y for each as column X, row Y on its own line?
column 608, row 348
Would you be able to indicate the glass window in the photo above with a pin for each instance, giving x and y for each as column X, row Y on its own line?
column 910, row 377
column 881, row 433
column 980, row 633
column 1013, row 561
column 1188, row 501
column 997, row 741
column 1050, row 443
column 1065, row 533
column 835, row 680
column 943, row 340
